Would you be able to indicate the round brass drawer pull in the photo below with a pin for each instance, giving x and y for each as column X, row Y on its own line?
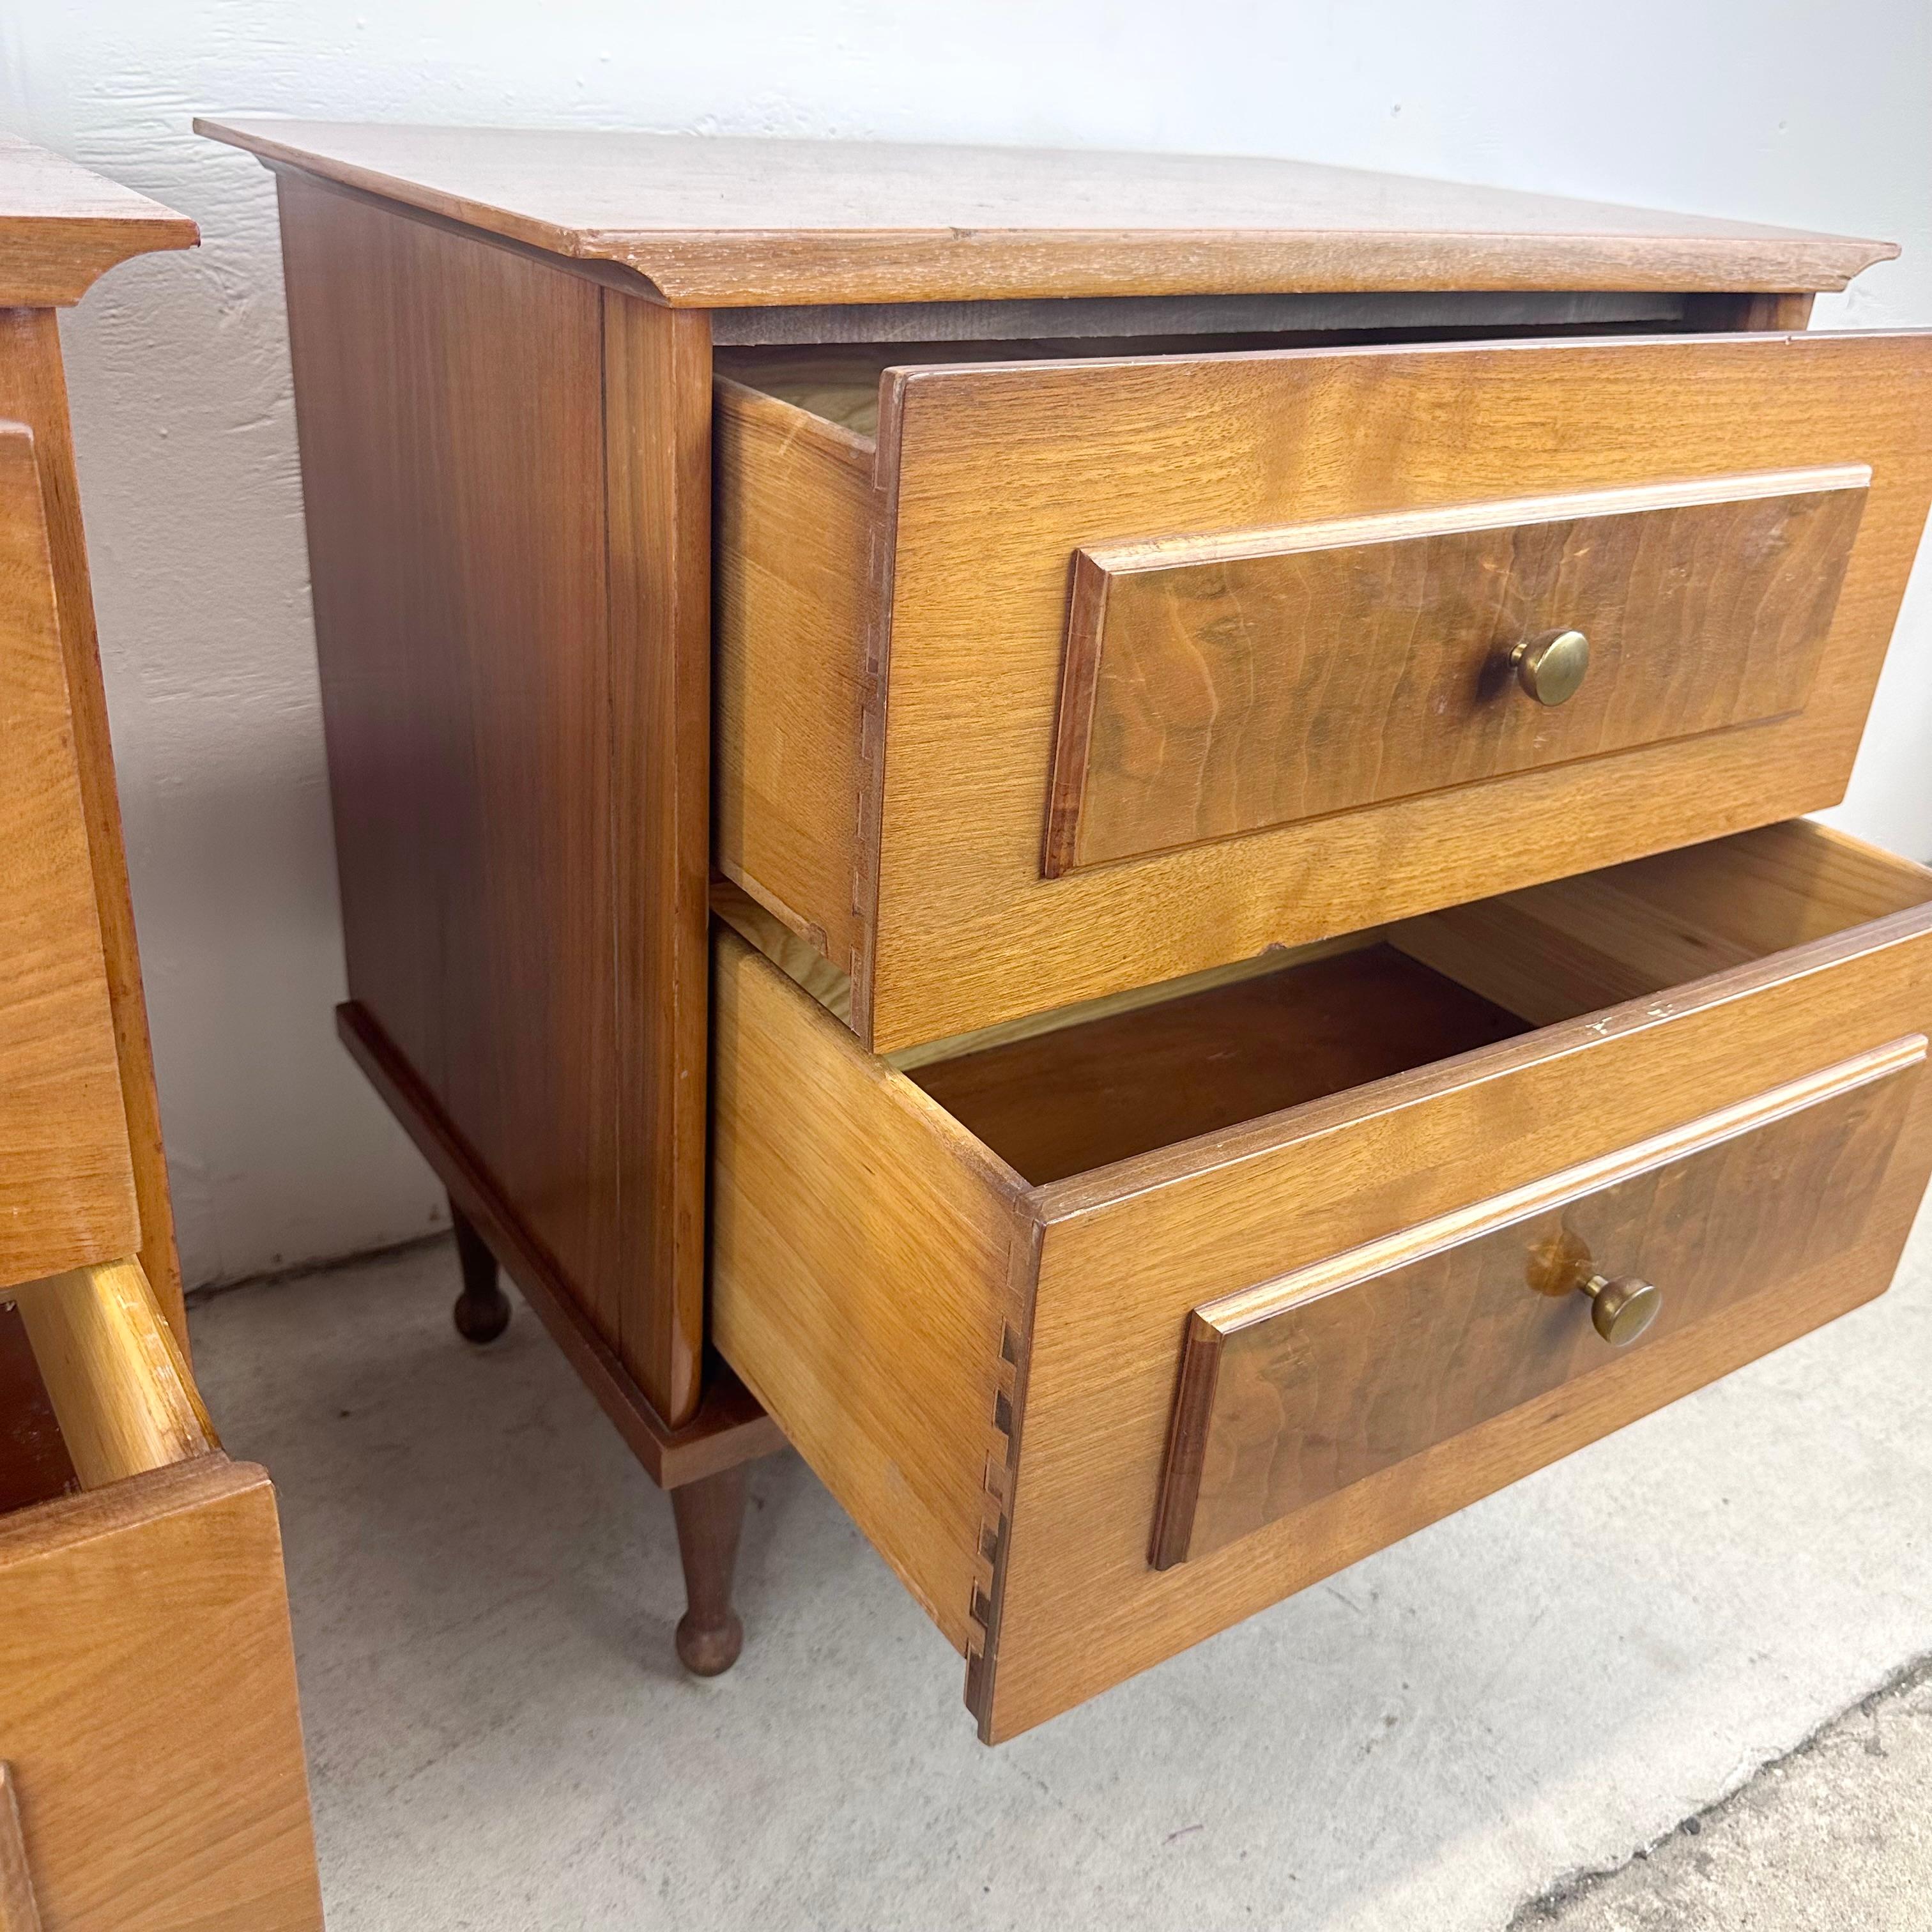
column 1620, row 1311
column 1551, row 668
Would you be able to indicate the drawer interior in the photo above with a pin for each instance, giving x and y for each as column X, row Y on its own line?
column 93, row 1388
column 1082, row 1089
column 1107, row 1088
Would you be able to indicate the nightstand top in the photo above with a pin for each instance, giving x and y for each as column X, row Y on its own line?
column 61, row 227
column 717, row 221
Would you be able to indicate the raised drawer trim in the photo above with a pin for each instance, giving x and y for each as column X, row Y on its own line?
column 1182, row 1529
column 1210, row 688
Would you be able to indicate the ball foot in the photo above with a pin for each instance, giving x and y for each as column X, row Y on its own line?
column 709, row 1650
column 482, row 1310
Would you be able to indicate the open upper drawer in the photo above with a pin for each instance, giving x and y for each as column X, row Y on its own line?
column 1039, row 680
column 1111, row 1332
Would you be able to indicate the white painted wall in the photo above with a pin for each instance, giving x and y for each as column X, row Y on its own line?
column 1812, row 112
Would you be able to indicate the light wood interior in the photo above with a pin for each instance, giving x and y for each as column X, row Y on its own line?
column 1108, row 1081
column 67, row 1175
column 104, row 1392
column 1553, row 952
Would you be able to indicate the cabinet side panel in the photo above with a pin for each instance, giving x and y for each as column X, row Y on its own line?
column 449, row 403
column 862, row 1242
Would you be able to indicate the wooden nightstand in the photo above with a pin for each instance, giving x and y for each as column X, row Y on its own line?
column 1130, row 825
column 151, row 1749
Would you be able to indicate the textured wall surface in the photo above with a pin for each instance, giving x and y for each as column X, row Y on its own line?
column 1810, row 114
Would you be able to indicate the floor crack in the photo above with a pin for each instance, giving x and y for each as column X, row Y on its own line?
column 1543, row 1907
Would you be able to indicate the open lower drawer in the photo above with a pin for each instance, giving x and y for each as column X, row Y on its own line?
column 1113, row 1327
column 151, row 1752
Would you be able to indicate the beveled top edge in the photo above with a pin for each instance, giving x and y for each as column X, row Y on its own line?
column 717, row 221
column 62, row 227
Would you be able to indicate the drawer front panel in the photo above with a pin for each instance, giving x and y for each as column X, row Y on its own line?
column 1296, row 1390
column 147, row 1710
column 1219, row 685
column 994, row 479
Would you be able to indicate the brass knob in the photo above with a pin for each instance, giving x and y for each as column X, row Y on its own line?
column 1551, row 668
column 1620, row 1311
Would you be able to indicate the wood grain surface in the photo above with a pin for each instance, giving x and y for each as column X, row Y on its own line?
column 66, row 1179
column 712, row 222
column 794, row 527
column 114, row 1374
column 1576, row 944
column 1129, row 1251
column 514, row 654
column 968, row 933
column 1216, row 685
column 1293, row 1391
column 863, row 1244
column 33, row 392
column 657, row 430
column 62, row 227
column 1086, row 1095
column 147, row 1708
column 19, row 1911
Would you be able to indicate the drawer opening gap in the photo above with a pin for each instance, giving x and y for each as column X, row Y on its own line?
column 839, row 381
column 1099, row 1087
column 35, row 1465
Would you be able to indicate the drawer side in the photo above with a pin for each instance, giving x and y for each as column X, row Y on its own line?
column 863, row 1249
column 113, row 1372
column 794, row 531
column 66, row 1172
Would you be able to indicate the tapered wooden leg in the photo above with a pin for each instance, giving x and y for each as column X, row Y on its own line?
column 710, row 1514
column 482, row 1310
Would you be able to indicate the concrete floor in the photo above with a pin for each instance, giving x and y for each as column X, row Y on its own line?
column 1838, row 1834
column 1458, row 1733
